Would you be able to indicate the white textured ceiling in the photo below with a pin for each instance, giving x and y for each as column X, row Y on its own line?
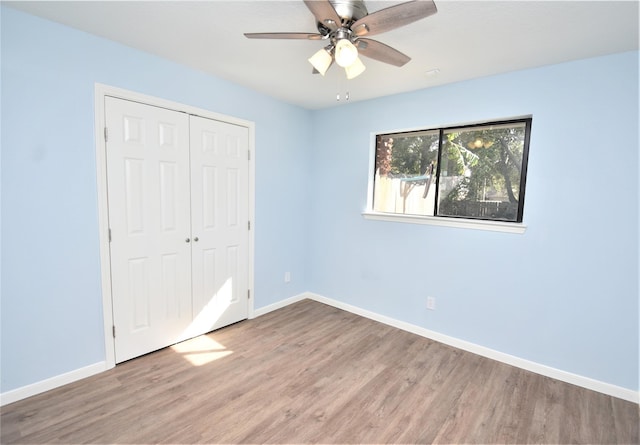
column 464, row 40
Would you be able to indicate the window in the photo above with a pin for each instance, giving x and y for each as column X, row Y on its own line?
column 470, row 171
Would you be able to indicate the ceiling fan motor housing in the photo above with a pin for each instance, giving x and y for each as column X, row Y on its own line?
column 349, row 10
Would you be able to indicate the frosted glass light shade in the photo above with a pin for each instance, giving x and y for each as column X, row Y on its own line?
column 346, row 53
column 355, row 69
column 321, row 61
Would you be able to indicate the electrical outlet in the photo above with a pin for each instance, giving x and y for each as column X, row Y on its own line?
column 287, row 277
column 431, row 303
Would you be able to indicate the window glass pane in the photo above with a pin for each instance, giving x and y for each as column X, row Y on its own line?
column 405, row 171
column 480, row 172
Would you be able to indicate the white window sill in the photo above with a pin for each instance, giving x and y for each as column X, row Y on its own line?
column 494, row 226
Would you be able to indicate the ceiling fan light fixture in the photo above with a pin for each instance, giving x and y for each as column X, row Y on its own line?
column 355, row 69
column 321, row 60
column 345, row 53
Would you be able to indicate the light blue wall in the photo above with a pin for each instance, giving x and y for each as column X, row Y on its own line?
column 565, row 293
column 51, row 304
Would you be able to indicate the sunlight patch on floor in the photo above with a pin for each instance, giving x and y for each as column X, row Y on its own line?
column 201, row 350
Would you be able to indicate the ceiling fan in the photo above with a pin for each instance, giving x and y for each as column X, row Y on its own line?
column 346, row 25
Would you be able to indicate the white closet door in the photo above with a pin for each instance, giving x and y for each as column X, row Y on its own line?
column 149, row 217
column 219, row 196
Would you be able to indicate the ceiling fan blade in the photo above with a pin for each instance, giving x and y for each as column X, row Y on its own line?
column 381, row 52
column 393, row 17
column 283, row 35
column 324, row 12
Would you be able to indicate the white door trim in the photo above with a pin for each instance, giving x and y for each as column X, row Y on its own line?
column 101, row 91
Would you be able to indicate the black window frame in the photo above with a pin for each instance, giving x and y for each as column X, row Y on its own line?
column 527, row 121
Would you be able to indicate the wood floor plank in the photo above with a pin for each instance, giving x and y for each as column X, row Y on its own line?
column 626, row 417
column 376, row 406
column 311, row 373
column 464, row 418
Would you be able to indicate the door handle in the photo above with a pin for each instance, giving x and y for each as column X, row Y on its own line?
column 196, row 239
column 187, row 240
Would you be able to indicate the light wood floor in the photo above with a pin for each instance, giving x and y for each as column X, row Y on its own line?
column 312, row 373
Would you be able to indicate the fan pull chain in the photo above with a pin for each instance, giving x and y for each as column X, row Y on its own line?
column 346, row 96
column 340, row 87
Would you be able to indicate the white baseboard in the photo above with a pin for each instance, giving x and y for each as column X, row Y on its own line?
column 280, row 304
column 574, row 379
column 51, row 383
column 78, row 374
column 558, row 374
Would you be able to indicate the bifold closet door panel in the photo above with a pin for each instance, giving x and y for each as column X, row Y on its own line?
column 148, row 185
column 219, row 222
